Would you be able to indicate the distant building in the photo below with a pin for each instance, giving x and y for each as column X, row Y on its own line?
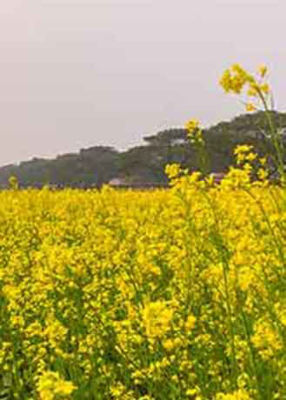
column 117, row 182
column 133, row 183
column 218, row 176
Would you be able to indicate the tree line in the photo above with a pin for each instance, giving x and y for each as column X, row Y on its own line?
column 145, row 164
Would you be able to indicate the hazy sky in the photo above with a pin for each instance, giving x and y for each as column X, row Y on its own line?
column 78, row 73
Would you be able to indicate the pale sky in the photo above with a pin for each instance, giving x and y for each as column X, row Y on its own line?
column 80, row 73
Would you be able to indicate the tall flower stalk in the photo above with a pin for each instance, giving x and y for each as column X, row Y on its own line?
column 258, row 94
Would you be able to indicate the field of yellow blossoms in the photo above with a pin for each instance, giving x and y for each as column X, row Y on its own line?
column 164, row 294
column 176, row 294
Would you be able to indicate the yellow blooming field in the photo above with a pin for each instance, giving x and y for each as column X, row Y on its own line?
column 165, row 294
column 155, row 295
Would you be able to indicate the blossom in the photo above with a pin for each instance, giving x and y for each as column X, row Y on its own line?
column 156, row 317
column 172, row 170
column 50, row 386
column 262, row 70
column 192, row 125
column 250, row 107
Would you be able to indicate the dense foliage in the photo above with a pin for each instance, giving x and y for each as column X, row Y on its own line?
column 167, row 294
column 144, row 164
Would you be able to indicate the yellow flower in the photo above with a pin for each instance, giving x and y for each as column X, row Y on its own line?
column 234, row 79
column 239, row 394
column 194, row 132
column 172, row 170
column 226, row 81
column 244, row 153
column 262, row 70
column 191, row 392
column 252, row 91
column 266, row 339
column 156, row 318
column 117, row 390
column 242, row 148
column 50, row 385
column 250, row 107
column 192, row 125
column 265, row 88
column 169, row 344
column 190, row 323
column 262, row 174
column 251, row 156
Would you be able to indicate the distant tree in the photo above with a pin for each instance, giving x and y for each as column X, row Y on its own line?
column 99, row 164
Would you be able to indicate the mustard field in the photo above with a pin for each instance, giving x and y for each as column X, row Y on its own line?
column 164, row 294
column 155, row 295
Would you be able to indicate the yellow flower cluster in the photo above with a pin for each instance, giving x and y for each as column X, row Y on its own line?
column 237, row 395
column 236, row 78
column 156, row 317
column 164, row 294
column 51, row 386
column 192, row 125
column 194, row 131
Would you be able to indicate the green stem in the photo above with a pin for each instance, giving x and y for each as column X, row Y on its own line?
column 274, row 136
